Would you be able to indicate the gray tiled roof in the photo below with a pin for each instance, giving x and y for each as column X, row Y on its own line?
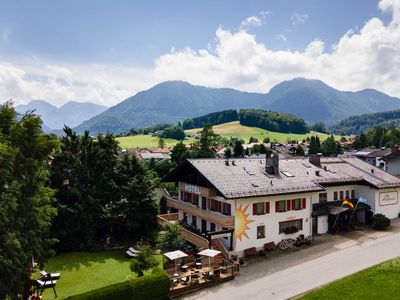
column 248, row 178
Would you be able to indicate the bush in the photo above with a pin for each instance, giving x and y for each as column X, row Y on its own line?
column 380, row 222
column 151, row 286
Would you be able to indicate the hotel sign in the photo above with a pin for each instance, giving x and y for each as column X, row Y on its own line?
column 194, row 189
column 388, row 198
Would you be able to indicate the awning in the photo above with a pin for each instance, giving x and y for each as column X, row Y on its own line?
column 335, row 210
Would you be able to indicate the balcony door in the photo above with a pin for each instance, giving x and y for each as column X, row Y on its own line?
column 203, row 226
column 203, row 203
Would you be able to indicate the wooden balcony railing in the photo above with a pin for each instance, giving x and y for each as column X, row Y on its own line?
column 186, row 234
column 214, row 217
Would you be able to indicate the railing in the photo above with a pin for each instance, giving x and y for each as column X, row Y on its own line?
column 167, row 218
column 214, row 217
column 222, row 248
column 186, row 234
column 193, row 238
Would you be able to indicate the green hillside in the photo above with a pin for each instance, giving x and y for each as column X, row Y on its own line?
column 227, row 130
column 234, row 129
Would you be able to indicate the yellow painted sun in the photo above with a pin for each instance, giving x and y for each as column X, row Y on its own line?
column 241, row 222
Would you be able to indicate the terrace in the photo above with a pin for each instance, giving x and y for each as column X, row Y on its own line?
column 194, row 274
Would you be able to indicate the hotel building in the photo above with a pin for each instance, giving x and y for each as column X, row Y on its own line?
column 239, row 204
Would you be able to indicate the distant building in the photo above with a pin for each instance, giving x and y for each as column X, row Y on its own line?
column 388, row 159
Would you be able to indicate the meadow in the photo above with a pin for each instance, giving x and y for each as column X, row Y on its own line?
column 226, row 130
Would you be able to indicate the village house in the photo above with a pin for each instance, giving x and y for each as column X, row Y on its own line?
column 387, row 159
column 245, row 203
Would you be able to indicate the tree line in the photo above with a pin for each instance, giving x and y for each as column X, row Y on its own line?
column 65, row 194
column 377, row 137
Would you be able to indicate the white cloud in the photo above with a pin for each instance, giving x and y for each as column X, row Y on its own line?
column 282, row 37
column 368, row 57
column 254, row 21
column 298, row 18
column 58, row 84
column 364, row 58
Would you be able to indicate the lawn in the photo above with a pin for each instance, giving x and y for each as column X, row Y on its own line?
column 379, row 282
column 227, row 130
column 82, row 271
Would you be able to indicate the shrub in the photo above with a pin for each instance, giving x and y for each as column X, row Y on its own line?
column 153, row 286
column 380, row 222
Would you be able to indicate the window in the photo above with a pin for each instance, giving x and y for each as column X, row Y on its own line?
column 203, row 202
column 226, row 209
column 335, row 196
column 289, row 227
column 323, row 197
column 194, row 221
column 203, row 226
column 212, row 227
column 341, row 195
column 353, row 194
column 347, row 194
column 258, row 208
column 280, row 206
column 261, row 232
column 184, row 218
column 296, row 204
column 214, row 205
column 195, row 200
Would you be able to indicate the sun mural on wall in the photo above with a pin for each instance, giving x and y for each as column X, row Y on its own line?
column 241, row 222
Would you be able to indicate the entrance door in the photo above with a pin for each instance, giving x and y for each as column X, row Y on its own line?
column 315, row 225
column 203, row 226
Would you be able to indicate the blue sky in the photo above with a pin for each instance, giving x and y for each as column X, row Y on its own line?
column 52, row 49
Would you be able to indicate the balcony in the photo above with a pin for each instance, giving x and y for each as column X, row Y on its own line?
column 187, row 235
column 214, row 217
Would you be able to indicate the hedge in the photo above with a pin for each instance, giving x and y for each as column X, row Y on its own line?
column 154, row 286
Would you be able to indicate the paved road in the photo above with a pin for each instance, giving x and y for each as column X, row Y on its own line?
column 308, row 275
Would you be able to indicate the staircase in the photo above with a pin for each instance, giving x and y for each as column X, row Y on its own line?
column 217, row 245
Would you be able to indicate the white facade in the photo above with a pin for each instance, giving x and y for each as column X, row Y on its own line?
column 270, row 220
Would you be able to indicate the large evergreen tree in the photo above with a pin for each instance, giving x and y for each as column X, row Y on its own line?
column 136, row 207
column 83, row 173
column 26, row 210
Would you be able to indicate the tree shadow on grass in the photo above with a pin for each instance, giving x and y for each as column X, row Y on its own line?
column 74, row 261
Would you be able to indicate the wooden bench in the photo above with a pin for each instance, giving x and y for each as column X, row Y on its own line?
column 250, row 251
column 269, row 246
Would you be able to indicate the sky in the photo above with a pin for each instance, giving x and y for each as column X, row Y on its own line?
column 105, row 51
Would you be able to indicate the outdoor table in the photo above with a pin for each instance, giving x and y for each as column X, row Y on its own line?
column 176, row 275
column 198, row 265
column 185, row 267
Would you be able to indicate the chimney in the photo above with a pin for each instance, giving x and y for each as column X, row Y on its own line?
column 272, row 163
column 315, row 159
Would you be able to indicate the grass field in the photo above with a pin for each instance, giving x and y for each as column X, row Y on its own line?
column 379, row 282
column 227, row 130
column 82, row 271
column 144, row 141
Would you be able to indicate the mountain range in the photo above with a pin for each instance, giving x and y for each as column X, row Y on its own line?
column 173, row 101
column 54, row 118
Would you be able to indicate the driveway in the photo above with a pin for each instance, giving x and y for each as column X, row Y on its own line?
column 289, row 275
